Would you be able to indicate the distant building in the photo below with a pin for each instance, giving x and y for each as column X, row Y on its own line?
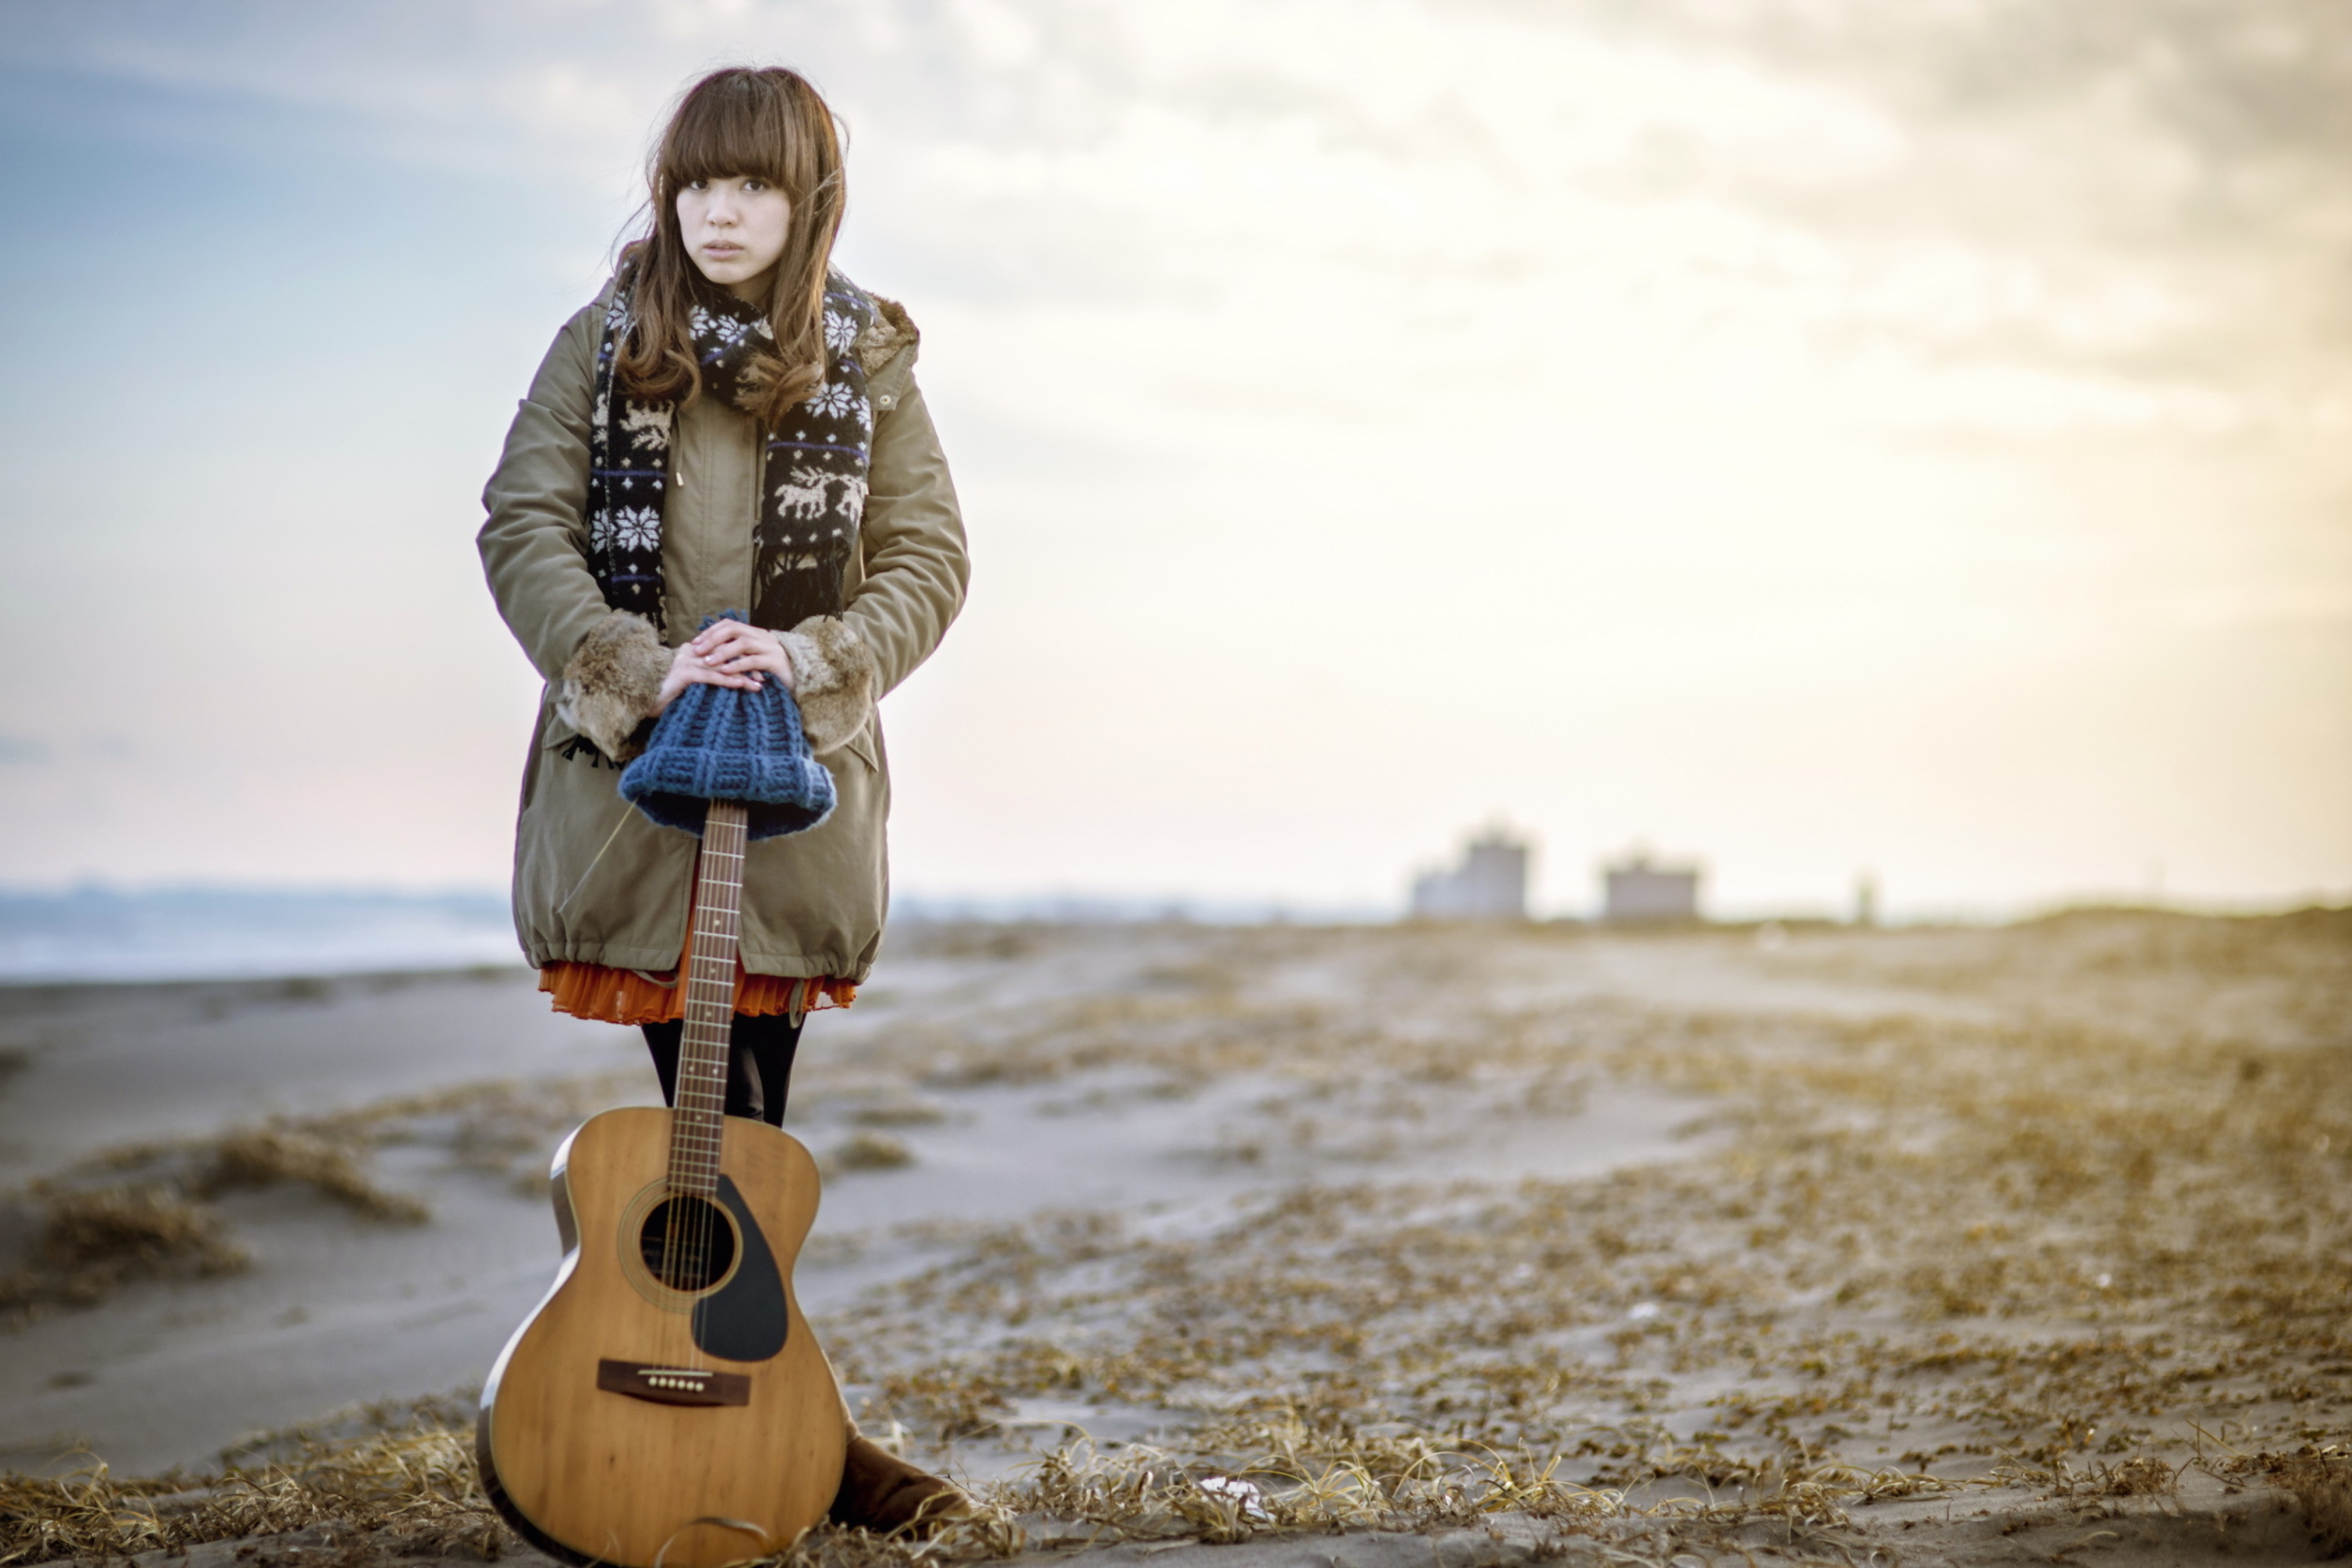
column 1634, row 891
column 1490, row 884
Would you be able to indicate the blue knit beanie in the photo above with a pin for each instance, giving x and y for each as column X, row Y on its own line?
column 718, row 742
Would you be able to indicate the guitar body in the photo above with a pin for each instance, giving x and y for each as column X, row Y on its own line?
column 635, row 1423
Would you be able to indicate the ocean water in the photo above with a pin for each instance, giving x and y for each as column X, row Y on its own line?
column 101, row 934
column 97, row 933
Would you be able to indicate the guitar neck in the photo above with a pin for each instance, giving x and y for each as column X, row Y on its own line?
column 698, row 1119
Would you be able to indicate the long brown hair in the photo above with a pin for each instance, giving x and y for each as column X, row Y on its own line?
column 739, row 122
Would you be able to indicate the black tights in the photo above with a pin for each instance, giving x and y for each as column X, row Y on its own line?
column 758, row 1069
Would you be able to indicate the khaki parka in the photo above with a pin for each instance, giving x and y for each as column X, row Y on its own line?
column 594, row 881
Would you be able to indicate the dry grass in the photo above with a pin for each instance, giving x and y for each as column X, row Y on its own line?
column 2084, row 1200
column 870, row 1152
column 416, row 1493
column 2001, row 1242
column 271, row 1154
column 413, row 1493
column 2320, row 1482
column 148, row 1210
column 92, row 1241
column 900, row 1113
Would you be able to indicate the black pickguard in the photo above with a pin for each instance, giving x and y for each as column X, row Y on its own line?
column 745, row 1319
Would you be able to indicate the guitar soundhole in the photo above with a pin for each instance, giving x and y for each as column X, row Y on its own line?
column 687, row 1243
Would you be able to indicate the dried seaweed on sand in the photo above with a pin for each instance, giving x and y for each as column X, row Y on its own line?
column 2061, row 1225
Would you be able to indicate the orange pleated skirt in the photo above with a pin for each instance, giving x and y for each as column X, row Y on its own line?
column 629, row 996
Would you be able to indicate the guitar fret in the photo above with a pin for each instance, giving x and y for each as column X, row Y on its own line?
column 698, row 1126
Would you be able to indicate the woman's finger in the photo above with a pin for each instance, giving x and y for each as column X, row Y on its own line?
column 736, row 631
column 730, row 649
column 740, row 653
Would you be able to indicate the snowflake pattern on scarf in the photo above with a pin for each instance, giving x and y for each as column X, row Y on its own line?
column 814, row 484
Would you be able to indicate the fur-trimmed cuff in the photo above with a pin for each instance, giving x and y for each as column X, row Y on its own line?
column 833, row 679
column 613, row 684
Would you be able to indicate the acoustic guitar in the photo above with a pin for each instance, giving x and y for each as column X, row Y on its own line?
column 666, row 1406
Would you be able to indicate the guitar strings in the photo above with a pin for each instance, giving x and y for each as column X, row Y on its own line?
column 689, row 1238
column 735, row 843
column 700, row 1006
column 679, row 1185
column 718, row 1024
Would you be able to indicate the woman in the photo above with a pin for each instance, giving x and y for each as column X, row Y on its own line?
column 732, row 425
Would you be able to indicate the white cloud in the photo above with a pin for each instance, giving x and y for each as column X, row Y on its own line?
column 1638, row 383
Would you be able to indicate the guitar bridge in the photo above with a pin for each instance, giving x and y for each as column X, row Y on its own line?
column 672, row 1384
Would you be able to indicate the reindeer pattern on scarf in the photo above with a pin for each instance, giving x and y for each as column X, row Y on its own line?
column 812, row 494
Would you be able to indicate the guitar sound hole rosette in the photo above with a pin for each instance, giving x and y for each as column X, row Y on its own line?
column 678, row 1248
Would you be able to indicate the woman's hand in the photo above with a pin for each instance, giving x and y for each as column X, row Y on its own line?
column 729, row 653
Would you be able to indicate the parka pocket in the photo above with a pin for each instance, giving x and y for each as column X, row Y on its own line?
column 559, row 741
column 861, row 746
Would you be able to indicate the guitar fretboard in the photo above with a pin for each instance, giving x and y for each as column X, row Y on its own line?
column 697, row 1120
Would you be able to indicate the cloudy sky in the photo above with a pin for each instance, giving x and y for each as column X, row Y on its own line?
column 1803, row 434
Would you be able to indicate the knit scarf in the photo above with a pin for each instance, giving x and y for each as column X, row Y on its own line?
column 813, row 482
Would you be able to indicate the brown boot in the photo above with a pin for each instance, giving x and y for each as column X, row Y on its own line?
column 883, row 1493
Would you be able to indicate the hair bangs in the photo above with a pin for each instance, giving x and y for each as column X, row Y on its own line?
column 730, row 125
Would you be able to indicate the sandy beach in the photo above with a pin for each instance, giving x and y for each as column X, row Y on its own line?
column 1486, row 1243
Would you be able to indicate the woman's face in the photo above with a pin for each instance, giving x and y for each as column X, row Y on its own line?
column 734, row 228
